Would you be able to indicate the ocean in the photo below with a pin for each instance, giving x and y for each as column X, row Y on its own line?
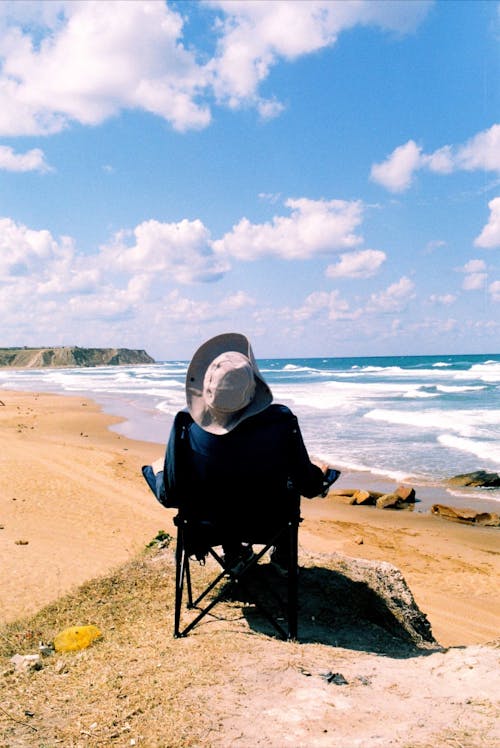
column 416, row 419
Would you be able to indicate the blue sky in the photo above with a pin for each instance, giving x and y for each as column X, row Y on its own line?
column 321, row 176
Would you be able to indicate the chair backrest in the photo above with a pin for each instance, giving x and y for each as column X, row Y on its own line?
column 246, row 495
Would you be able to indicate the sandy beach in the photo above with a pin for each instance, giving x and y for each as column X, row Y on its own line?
column 74, row 505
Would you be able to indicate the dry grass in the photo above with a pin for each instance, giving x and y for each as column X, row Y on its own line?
column 137, row 683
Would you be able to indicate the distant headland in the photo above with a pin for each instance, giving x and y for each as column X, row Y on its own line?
column 71, row 356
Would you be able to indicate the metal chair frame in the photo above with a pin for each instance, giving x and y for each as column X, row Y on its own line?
column 237, row 576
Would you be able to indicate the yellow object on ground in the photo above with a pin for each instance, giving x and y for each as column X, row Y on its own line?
column 76, row 637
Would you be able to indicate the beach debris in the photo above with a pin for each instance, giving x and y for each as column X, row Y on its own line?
column 336, row 678
column 22, row 542
column 45, row 649
column 478, row 479
column 466, row 516
column 61, row 667
column 26, row 663
column 2, row 402
column 76, row 637
column 359, row 540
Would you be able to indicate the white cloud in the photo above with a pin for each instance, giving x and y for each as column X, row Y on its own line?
column 180, row 309
column 442, row 299
column 314, row 227
column 475, row 275
column 441, row 161
column 25, row 251
column 321, row 303
column 98, row 58
column 433, row 245
column 33, row 160
column 494, row 289
column 361, row 264
column 489, row 238
column 474, row 266
column 396, row 172
column 178, row 252
column 86, row 61
column 481, row 152
column 474, row 281
column 394, row 298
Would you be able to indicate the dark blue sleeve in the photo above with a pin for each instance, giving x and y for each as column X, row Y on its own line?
column 155, row 482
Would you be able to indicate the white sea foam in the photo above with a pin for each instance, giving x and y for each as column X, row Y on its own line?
column 482, row 449
column 457, row 388
column 465, row 423
column 441, row 364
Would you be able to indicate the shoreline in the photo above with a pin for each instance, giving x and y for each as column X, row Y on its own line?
column 76, row 506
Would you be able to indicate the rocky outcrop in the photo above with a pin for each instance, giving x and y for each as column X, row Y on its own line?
column 467, row 516
column 478, row 479
column 348, row 591
column 71, row 356
column 403, row 497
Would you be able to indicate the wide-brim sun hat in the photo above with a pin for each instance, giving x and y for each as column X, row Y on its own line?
column 224, row 385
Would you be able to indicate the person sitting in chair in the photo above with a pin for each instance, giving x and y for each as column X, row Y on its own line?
column 240, row 449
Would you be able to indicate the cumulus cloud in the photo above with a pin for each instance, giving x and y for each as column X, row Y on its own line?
column 94, row 59
column 179, row 252
column 474, row 281
column 26, row 252
column 494, row 289
column 475, row 275
column 481, row 152
column 489, row 238
column 396, row 172
column 256, row 35
column 314, row 227
column 442, row 299
column 321, row 303
column 33, row 160
column 394, row 298
column 64, row 60
column 361, row 264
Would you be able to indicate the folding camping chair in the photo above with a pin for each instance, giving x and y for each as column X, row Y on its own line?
column 274, row 598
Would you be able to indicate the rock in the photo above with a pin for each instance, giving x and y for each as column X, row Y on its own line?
column 336, row 678
column 76, row 637
column 467, row 516
column 479, row 478
column 406, row 493
column 363, row 497
column 26, row 663
column 358, row 591
column 389, row 501
column 359, row 540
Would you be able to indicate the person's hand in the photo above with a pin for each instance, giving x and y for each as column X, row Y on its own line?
column 323, row 466
column 157, row 465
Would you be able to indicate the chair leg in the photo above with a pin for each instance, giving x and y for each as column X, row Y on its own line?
column 180, row 562
column 293, row 581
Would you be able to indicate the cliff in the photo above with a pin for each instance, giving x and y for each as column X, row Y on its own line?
column 70, row 356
